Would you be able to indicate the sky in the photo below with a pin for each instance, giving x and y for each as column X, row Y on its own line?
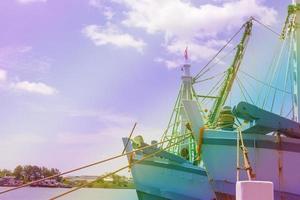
column 76, row 75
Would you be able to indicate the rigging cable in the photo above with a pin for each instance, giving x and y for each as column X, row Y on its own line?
column 212, row 77
column 242, row 91
column 273, row 101
column 262, row 82
column 274, row 72
column 214, row 88
column 278, row 76
column 116, row 171
column 170, row 120
column 215, row 64
column 261, row 92
column 213, row 58
column 266, row 26
column 286, row 77
column 197, row 100
column 242, row 85
column 84, row 166
column 229, row 41
column 130, row 135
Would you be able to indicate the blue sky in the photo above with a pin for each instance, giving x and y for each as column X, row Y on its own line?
column 76, row 75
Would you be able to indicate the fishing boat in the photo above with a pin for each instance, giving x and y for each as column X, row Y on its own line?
column 175, row 173
column 251, row 142
column 271, row 139
column 178, row 172
column 247, row 141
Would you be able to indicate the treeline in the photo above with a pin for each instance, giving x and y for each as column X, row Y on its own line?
column 28, row 173
column 115, row 181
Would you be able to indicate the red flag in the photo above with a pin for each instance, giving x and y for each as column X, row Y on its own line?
column 186, row 53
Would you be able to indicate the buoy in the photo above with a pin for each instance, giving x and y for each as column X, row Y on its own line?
column 137, row 142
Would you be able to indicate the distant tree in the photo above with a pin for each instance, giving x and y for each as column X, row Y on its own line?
column 28, row 171
column 45, row 172
column 31, row 172
column 55, row 171
column 5, row 172
column 35, row 173
column 18, row 172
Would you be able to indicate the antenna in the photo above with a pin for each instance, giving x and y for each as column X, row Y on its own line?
column 186, row 56
column 186, row 66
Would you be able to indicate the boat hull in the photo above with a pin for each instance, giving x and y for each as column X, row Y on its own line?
column 170, row 181
column 158, row 178
column 272, row 158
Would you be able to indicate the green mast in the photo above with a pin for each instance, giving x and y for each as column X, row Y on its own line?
column 294, row 13
column 230, row 77
column 291, row 31
column 177, row 125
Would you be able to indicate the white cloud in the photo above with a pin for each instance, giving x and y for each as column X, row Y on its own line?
column 111, row 35
column 182, row 19
column 95, row 3
column 170, row 64
column 108, row 13
column 30, row 1
column 32, row 87
column 202, row 27
column 3, row 75
column 105, row 10
column 104, row 116
column 195, row 51
column 24, row 49
column 23, row 58
column 13, row 51
column 117, row 125
column 215, row 43
column 23, row 138
column 111, row 133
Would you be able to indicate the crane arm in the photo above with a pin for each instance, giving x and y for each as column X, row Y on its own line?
column 230, row 76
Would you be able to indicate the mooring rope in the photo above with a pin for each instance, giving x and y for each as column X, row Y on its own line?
column 89, row 165
column 247, row 165
column 130, row 135
column 116, row 171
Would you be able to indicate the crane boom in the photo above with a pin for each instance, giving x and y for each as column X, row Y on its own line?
column 230, row 76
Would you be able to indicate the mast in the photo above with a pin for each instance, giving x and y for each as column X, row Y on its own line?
column 230, row 77
column 295, row 9
column 177, row 125
column 186, row 78
column 186, row 94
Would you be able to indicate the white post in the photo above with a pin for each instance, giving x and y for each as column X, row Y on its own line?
column 254, row 190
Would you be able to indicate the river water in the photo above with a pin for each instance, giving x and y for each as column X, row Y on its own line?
column 30, row 193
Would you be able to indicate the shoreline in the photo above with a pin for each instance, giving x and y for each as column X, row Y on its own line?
column 115, row 188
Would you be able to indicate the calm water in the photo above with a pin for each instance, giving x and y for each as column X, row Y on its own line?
column 83, row 194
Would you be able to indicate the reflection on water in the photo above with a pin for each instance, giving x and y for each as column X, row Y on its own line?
column 30, row 193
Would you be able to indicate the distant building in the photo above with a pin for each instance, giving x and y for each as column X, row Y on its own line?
column 108, row 179
column 50, row 183
column 9, row 181
column 81, row 178
column 130, row 179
